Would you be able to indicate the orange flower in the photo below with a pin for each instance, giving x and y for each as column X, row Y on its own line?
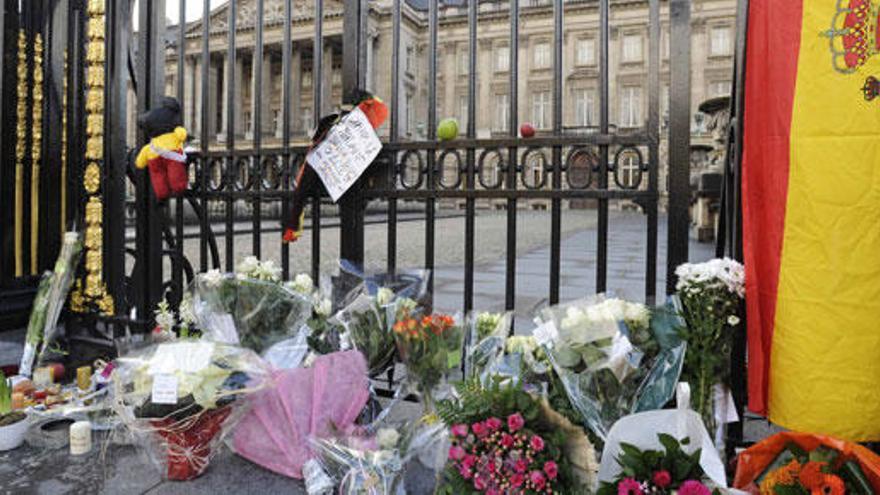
column 812, row 475
column 786, row 475
column 831, row 485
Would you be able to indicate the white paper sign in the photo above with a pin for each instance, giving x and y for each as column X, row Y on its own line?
column 188, row 357
column 347, row 150
column 164, row 389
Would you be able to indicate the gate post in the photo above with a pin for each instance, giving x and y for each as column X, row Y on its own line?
column 679, row 138
column 150, row 79
column 354, row 68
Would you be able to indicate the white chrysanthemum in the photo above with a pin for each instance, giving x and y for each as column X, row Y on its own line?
column 212, row 278
column 266, row 270
column 387, row 438
column 637, row 314
column 186, row 310
column 164, row 316
column 384, row 296
column 323, row 307
column 303, row 284
column 521, row 344
column 247, row 266
column 733, row 320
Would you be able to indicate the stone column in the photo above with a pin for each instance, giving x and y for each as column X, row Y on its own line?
column 213, row 97
column 485, row 97
column 189, row 101
column 370, row 79
column 221, row 100
column 296, row 94
column 238, row 103
column 327, row 81
column 266, row 94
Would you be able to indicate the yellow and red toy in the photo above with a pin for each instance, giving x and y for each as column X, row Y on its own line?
column 164, row 155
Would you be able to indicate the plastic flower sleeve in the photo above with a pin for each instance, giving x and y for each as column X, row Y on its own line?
column 430, row 347
column 253, row 312
column 373, row 459
column 603, row 374
column 367, row 323
column 178, row 400
column 409, row 284
column 486, row 335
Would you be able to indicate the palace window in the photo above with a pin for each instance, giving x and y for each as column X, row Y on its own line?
column 719, row 41
column 502, row 58
column 502, row 107
column 542, row 55
column 632, row 48
column 541, row 108
column 585, row 53
column 585, row 107
column 630, row 106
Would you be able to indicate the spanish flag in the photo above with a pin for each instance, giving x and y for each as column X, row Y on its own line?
column 811, row 214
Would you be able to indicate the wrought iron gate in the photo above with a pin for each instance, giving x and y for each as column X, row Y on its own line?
column 132, row 274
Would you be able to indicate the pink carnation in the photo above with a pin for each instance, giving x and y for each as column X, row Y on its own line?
column 492, row 491
column 693, row 487
column 469, row 461
column 456, row 453
column 507, row 440
column 629, row 486
column 537, row 479
column 479, row 429
column 517, row 479
column 521, row 466
column 515, row 422
column 493, row 424
column 551, row 470
column 537, row 443
column 465, row 472
column 662, row 478
column 479, row 483
column 459, row 430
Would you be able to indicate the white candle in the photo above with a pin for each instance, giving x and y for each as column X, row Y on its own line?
column 80, row 438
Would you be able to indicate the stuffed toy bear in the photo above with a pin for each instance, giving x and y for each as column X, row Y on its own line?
column 307, row 181
column 164, row 154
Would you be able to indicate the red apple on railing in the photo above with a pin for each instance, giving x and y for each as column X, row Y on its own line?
column 527, row 130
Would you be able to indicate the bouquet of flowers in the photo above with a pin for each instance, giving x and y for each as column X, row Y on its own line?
column 663, row 451
column 486, row 336
column 251, row 307
column 612, row 357
column 48, row 302
column 179, row 399
column 429, row 347
column 368, row 322
column 710, row 295
column 505, row 440
column 671, row 470
column 371, row 459
column 791, row 463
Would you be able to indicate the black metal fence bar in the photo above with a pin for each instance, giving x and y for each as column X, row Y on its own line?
column 433, row 22
column 470, row 204
column 394, row 134
column 604, row 124
column 203, row 163
column 653, row 132
column 679, row 136
column 177, row 267
column 318, row 108
column 286, row 102
column 512, row 159
column 556, row 204
column 256, row 176
column 230, row 122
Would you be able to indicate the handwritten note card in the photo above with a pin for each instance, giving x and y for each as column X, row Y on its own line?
column 345, row 153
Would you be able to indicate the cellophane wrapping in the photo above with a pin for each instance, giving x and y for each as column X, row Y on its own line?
column 486, row 334
column 178, row 400
column 255, row 313
column 298, row 404
column 372, row 459
column 612, row 357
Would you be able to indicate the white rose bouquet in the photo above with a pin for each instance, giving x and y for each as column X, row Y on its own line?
column 613, row 357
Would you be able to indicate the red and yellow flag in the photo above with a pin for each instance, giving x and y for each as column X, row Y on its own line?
column 811, row 214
